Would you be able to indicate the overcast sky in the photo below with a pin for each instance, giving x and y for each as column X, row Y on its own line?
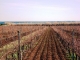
column 39, row 10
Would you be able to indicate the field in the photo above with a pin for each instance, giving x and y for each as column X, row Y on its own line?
column 40, row 42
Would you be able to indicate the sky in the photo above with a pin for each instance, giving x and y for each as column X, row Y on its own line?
column 39, row 10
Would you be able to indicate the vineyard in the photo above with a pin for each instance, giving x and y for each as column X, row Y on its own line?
column 39, row 42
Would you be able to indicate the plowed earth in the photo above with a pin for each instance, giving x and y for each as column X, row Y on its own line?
column 49, row 47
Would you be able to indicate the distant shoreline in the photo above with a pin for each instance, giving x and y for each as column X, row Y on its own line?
column 42, row 22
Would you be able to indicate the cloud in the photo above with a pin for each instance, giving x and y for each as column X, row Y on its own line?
column 51, row 8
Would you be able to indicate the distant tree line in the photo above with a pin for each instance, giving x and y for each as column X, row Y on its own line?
column 47, row 24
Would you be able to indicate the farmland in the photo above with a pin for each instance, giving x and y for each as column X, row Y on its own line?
column 40, row 42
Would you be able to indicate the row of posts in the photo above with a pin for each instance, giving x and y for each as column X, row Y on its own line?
column 67, row 47
column 20, row 52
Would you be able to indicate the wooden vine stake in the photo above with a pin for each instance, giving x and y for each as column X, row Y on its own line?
column 19, row 49
column 73, row 45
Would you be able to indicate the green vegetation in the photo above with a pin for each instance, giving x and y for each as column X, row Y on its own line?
column 69, row 57
column 2, row 24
